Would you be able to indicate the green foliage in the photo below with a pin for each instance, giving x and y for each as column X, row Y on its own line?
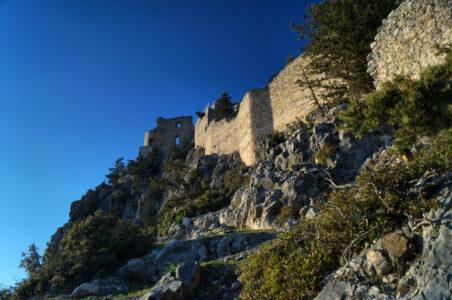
column 287, row 212
column 192, row 193
column 235, row 178
column 325, row 153
column 414, row 107
column 31, row 261
column 171, row 268
column 296, row 263
column 91, row 248
column 6, row 293
column 144, row 167
column 177, row 208
column 135, row 294
column 116, row 172
column 223, row 106
column 200, row 114
column 339, row 34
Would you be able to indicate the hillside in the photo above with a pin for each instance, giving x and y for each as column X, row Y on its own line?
column 349, row 199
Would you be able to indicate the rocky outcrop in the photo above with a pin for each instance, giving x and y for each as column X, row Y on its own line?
column 184, row 256
column 176, row 285
column 404, row 264
column 297, row 172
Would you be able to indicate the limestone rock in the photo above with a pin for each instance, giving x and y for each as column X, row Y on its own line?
column 428, row 276
column 396, row 245
column 379, row 262
column 150, row 267
column 98, row 287
column 176, row 286
column 85, row 290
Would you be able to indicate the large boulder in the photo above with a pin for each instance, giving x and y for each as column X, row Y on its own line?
column 176, row 285
column 149, row 268
column 99, row 287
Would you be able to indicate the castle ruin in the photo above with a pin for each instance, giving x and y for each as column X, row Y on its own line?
column 169, row 133
column 414, row 30
column 261, row 112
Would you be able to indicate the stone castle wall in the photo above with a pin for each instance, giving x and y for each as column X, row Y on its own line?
column 168, row 134
column 229, row 136
column 261, row 112
column 406, row 42
column 404, row 45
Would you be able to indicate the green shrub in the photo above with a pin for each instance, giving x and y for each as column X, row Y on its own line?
column 134, row 294
column 414, row 107
column 175, row 209
column 287, row 212
column 325, row 153
column 171, row 268
column 211, row 200
column 235, row 178
column 296, row 263
column 338, row 35
column 6, row 293
column 92, row 248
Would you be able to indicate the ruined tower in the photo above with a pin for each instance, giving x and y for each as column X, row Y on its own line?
column 169, row 133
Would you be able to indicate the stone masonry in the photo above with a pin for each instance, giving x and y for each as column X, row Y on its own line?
column 169, row 133
column 261, row 112
column 406, row 42
column 404, row 45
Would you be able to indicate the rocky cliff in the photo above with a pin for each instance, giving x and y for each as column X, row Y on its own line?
column 320, row 213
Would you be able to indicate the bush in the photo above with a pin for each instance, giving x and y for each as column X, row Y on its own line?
column 296, row 263
column 286, row 213
column 325, row 153
column 235, row 178
column 177, row 208
column 414, row 107
column 338, row 35
column 92, row 248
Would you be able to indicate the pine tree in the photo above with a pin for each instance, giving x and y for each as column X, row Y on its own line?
column 338, row 35
column 223, row 105
column 116, row 172
column 31, row 261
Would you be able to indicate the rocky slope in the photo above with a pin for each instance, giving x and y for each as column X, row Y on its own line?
column 197, row 255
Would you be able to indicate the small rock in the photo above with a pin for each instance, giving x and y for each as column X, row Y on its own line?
column 235, row 286
column 397, row 245
column 379, row 262
column 186, row 221
column 311, row 213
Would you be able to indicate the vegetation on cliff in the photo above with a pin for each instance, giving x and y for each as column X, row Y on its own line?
column 415, row 107
column 91, row 248
column 339, row 34
column 380, row 201
column 295, row 265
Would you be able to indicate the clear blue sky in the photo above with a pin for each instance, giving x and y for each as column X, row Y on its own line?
column 81, row 80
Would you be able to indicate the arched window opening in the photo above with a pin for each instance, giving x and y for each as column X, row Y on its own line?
column 177, row 141
column 178, row 125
